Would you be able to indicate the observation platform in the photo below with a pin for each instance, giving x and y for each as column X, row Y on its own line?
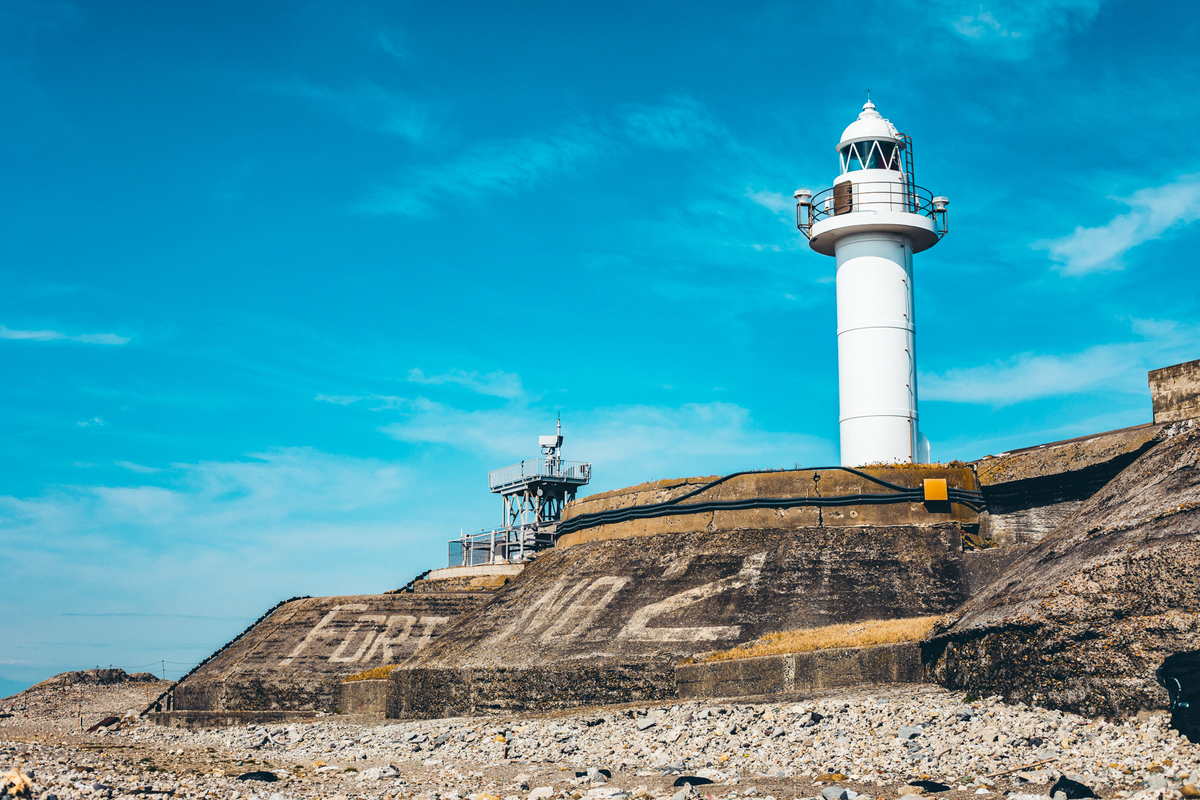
column 516, row 477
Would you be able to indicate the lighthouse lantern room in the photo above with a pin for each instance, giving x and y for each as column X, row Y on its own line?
column 872, row 221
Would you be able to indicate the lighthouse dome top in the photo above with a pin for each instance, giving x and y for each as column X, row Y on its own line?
column 869, row 125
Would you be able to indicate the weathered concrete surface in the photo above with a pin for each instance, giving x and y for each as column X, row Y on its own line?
column 803, row 672
column 981, row 567
column 363, row 697
column 782, row 483
column 421, row 693
column 1175, row 392
column 295, row 658
column 1030, row 492
column 603, row 620
column 1081, row 621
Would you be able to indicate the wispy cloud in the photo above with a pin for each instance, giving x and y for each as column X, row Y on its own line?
column 87, row 423
column 288, row 487
column 58, row 336
column 208, row 540
column 1155, row 211
column 390, row 43
column 509, row 166
column 502, row 167
column 149, row 615
column 772, row 201
column 365, row 104
column 633, row 442
column 679, row 123
column 1028, row 376
column 496, row 384
column 339, row 399
column 1011, row 29
column 138, row 468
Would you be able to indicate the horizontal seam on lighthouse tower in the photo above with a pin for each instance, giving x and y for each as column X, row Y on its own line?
column 879, row 323
column 879, row 412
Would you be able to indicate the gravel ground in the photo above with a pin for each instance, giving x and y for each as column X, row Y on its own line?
column 857, row 745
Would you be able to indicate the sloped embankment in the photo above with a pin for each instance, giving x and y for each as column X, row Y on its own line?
column 1082, row 620
column 606, row 621
column 295, row 658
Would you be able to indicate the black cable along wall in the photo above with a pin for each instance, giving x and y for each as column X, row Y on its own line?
column 671, row 508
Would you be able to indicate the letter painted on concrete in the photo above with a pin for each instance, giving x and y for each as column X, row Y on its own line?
column 430, row 623
column 367, row 637
column 638, row 627
column 544, row 610
column 604, row 589
column 386, row 640
column 320, row 631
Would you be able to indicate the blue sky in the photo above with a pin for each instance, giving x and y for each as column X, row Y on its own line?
column 282, row 281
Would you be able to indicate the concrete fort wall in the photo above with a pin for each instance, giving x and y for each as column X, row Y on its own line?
column 1031, row 491
column 295, row 658
column 782, row 483
column 803, row 672
column 606, row 621
column 1175, row 392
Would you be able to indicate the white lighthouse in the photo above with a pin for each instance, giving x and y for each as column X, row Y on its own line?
column 872, row 221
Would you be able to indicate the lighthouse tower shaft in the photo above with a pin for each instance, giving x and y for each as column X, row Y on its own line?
column 877, row 363
column 872, row 221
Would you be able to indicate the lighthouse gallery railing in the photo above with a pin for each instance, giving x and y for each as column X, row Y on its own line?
column 848, row 197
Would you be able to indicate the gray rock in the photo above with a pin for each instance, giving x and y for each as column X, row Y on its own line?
column 645, row 723
column 910, row 732
column 835, row 793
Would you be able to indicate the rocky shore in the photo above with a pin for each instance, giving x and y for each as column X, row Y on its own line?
column 859, row 745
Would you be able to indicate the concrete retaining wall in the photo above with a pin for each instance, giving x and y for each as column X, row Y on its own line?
column 1030, row 492
column 431, row 693
column 802, row 672
column 784, row 483
column 363, row 697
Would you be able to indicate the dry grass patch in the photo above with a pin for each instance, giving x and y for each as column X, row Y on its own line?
column 377, row 674
column 854, row 634
column 904, row 465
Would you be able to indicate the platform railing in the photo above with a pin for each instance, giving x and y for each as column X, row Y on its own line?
column 552, row 469
column 508, row 545
column 850, row 197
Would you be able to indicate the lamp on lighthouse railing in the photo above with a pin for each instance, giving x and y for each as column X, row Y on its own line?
column 939, row 214
column 804, row 207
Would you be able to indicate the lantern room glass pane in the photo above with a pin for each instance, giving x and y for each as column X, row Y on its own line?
column 881, row 156
column 869, row 155
column 850, row 159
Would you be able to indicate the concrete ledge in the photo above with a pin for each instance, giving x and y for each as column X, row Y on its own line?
column 363, row 697
column 225, row 719
column 799, row 672
column 474, row 572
